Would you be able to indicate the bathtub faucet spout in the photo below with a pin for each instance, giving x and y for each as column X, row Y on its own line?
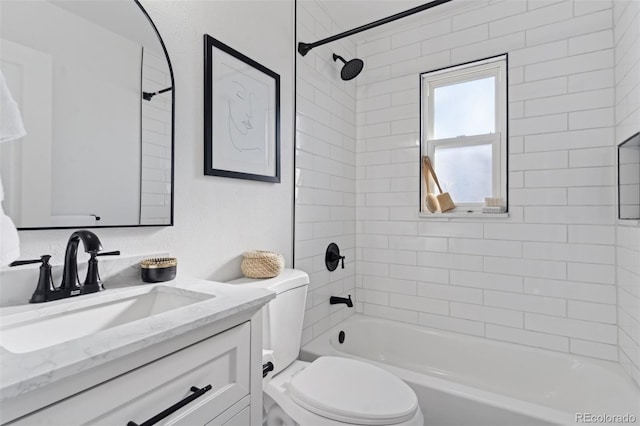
column 334, row 300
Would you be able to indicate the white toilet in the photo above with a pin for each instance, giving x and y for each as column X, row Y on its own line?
column 330, row 390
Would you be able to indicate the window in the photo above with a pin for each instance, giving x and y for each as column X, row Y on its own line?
column 464, row 130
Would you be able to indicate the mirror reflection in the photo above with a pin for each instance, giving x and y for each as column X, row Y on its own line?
column 94, row 87
column 629, row 178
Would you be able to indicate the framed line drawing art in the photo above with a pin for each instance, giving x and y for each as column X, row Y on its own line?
column 241, row 115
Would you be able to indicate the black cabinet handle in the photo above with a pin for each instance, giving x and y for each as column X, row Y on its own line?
column 197, row 393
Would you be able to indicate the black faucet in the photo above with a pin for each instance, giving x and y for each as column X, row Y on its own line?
column 334, row 300
column 70, row 286
column 92, row 246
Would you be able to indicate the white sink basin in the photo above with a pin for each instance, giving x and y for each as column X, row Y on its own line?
column 49, row 326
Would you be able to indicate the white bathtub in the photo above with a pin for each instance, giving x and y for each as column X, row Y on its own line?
column 466, row 380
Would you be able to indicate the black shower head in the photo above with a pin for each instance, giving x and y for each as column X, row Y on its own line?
column 351, row 69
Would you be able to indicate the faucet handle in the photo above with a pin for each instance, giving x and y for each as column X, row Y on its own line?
column 45, row 288
column 93, row 275
column 44, row 259
column 109, row 253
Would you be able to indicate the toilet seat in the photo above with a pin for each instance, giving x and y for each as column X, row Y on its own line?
column 351, row 391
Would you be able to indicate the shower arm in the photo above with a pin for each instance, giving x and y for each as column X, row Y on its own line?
column 336, row 57
column 148, row 95
column 304, row 48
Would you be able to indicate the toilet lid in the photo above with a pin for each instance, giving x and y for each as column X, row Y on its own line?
column 352, row 391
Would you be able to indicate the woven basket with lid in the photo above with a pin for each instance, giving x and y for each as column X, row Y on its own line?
column 261, row 264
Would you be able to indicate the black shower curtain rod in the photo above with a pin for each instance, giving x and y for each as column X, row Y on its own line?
column 304, row 48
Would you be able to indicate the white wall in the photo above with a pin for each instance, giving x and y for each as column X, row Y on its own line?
column 325, row 168
column 545, row 276
column 216, row 219
column 626, row 15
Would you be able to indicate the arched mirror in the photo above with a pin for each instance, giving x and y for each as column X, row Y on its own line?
column 94, row 84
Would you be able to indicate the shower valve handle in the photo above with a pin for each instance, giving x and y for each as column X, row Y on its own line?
column 332, row 257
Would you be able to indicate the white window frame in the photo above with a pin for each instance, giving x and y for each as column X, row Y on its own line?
column 490, row 67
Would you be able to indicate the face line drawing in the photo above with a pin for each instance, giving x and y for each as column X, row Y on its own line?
column 242, row 121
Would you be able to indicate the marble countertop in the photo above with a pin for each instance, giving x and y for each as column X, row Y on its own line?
column 21, row 373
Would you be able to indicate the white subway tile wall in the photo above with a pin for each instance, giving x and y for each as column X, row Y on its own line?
column 545, row 276
column 155, row 202
column 325, row 169
column 626, row 17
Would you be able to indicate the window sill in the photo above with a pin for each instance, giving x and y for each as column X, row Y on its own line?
column 627, row 222
column 465, row 215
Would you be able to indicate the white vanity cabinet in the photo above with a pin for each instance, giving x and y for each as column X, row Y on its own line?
column 222, row 362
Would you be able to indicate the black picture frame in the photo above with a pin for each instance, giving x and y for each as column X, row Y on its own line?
column 212, row 166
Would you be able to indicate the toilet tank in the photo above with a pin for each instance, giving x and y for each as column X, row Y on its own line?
column 282, row 316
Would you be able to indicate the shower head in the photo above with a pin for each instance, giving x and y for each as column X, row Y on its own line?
column 351, row 69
